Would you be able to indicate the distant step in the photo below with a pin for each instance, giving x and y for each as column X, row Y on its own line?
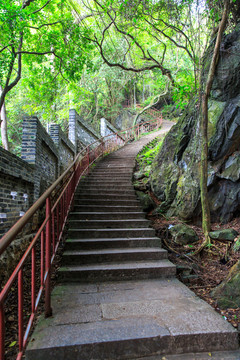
column 106, row 182
column 101, row 196
column 104, row 201
column 120, row 242
column 100, row 187
column 110, row 233
column 79, row 257
column 104, row 191
column 106, row 215
column 106, row 208
column 106, row 224
column 117, row 271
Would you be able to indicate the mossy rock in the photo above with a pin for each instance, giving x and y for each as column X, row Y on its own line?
column 183, row 234
column 224, row 234
column 227, row 294
column 146, row 201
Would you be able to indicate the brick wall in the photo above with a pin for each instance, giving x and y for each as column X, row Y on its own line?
column 16, row 189
column 22, row 180
column 44, row 156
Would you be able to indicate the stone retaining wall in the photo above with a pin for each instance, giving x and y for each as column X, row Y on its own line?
column 44, row 157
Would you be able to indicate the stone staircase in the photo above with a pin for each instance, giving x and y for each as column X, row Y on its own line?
column 108, row 236
column 118, row 298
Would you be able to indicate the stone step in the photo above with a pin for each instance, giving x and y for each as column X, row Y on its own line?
column 106, row 208
column 111, row 178
column 106, row 183
column 103, row 191
column 110, row 233
column 105, row 215
column 104, row 201
column 100, row 187
column 117, row 271
column 106, row 243
column 101, row 196
column 148, row 319
column 114, row 167
column 110, row 172
column 106, row 224
column 77, row 257
column 215, row 355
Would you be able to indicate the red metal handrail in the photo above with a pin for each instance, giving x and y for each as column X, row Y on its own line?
column 56, row 202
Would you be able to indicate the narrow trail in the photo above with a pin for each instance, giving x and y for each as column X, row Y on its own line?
column 117, row 296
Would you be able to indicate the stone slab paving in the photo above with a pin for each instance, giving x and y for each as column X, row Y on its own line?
column 164, row 314
column 148, row 319
column 216, row 355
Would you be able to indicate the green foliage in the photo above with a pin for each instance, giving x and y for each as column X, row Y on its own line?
column 173, row 33
column 148, row 153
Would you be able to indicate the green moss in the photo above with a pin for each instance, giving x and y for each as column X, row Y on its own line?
column 148, row 153
column 215, row 110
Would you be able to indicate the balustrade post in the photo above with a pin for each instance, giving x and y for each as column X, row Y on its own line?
column 20, row 310
column 102, row 146
column 88, row 159
column 48, row 309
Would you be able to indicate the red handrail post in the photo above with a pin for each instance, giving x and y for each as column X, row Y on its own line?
column 88, row 159
column 48, row 309
column 33, row 278
column 2, row 332
column 102, row 146
column 20, row 310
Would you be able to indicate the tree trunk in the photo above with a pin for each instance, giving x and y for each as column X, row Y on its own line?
column 3, row 122
column 206, row 221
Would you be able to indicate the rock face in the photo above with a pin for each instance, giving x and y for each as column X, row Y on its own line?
column 175, row 171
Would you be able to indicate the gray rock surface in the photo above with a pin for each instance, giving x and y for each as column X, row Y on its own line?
column 225, row 234
column 175, row 171
column 145, row 200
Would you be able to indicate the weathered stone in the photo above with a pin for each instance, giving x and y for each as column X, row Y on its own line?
column 146, row 201
column 138, row 175
column 225, row 234
column 183, row 234
column 227, row 293
column 175, row 170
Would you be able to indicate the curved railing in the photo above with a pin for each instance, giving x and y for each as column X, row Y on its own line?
column 55, row 204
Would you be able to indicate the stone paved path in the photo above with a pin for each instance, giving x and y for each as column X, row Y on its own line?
column 149, row 314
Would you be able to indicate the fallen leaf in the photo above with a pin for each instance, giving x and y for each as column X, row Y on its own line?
column 12, row 344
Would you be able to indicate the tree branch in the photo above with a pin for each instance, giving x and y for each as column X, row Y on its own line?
column 27, row 3
column 35, row 12
column 152, row 104
column 38, row 28
column 4, row 48
column 171, row 39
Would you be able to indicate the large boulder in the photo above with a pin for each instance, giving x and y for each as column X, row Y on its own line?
column 175, row 170
column 183, row 234
column 225, row 234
